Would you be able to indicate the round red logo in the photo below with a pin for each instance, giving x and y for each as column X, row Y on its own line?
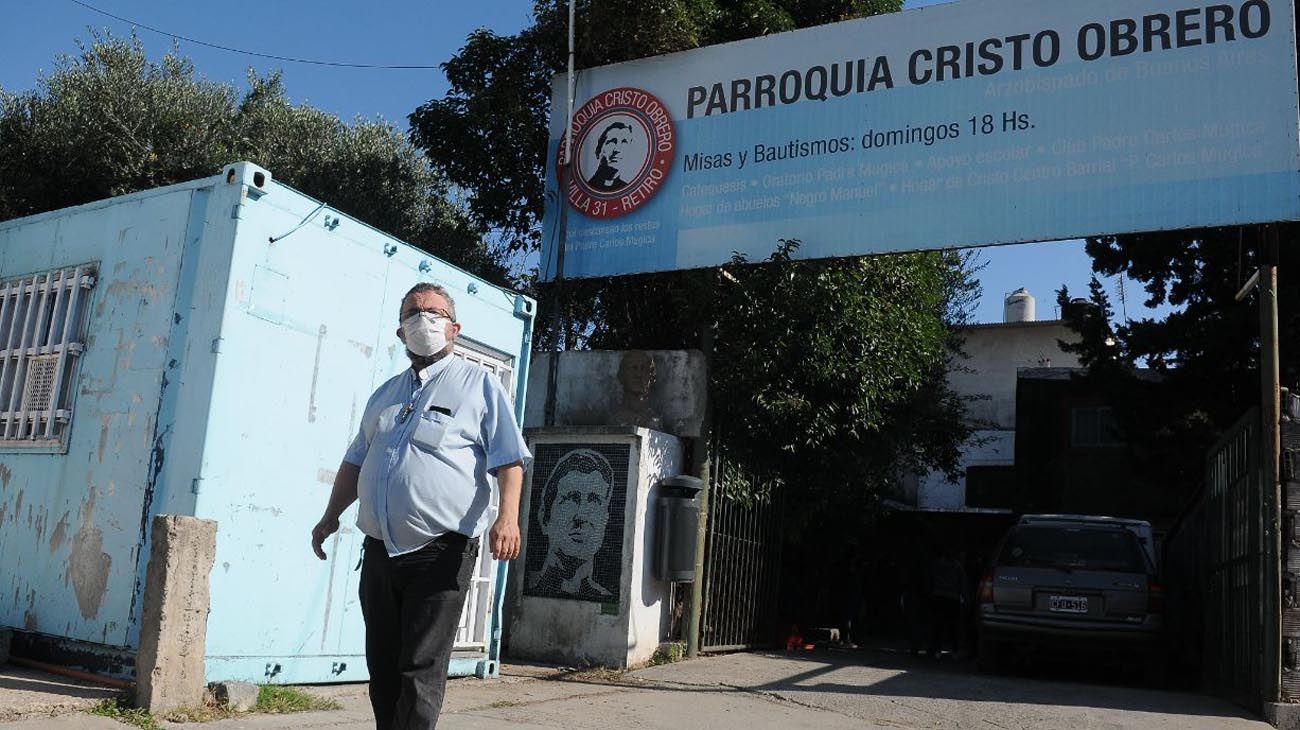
column 623, row 143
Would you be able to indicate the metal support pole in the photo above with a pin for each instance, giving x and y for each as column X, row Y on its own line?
column 562, row 200
column 1271, row 407
column 702, row 459
column 561, row 302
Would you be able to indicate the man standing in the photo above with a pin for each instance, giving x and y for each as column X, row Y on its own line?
column 419, row 465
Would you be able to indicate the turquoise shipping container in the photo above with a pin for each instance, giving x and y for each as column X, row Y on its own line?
column 207, row 349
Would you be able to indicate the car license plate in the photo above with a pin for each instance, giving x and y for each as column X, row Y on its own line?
column 1067, row 604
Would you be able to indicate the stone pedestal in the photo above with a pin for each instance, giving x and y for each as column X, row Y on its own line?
column 1282, row 716
column 582, row 591
column 173, row 630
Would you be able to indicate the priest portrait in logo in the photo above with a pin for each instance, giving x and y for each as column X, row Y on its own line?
column 623, row 145
column 616, row 163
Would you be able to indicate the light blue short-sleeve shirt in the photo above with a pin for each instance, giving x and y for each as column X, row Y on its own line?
column 427, row 443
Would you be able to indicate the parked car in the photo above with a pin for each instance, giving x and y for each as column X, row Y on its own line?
column 1073, row 582
column 1140, row 528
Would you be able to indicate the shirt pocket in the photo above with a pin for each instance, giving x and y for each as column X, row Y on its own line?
column 431, row 431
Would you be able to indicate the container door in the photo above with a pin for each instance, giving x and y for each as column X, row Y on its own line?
column 475, row 618
column 298, row 363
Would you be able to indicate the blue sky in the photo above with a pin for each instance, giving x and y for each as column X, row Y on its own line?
column 395, row 32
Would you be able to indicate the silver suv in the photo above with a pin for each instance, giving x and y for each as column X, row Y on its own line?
column 1068, row 581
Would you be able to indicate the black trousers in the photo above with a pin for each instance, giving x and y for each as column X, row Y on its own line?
column 412, row 604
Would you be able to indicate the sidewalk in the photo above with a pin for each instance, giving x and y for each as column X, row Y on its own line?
column 27, row 693
column 813, row 691
column 524, row 696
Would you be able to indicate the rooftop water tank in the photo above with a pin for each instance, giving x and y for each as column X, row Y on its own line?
column 1019, row 306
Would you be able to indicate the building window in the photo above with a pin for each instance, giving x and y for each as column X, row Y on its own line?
column 1094, row 426
column 42, row 334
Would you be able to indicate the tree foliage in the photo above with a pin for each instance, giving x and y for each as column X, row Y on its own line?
column 1177, row 382
column 832, row 374
column 108, row 121
column 827, row 375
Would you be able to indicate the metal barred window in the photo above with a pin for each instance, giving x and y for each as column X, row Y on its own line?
column 42, row 323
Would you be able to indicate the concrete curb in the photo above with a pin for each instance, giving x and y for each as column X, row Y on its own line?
column 1282, row 716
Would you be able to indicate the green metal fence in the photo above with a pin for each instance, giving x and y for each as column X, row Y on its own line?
column 1289, row 689
column 1241, row 602
column 742, row 575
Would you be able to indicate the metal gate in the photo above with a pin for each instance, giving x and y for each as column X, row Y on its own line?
column 1241, row 569
column 1289, row 590
column 742, row 570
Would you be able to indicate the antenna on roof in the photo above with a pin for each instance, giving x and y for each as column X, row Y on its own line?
column 1123, row 298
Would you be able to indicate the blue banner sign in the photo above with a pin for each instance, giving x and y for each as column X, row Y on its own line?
column 973, row 123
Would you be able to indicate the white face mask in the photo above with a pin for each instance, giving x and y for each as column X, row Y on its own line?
column 426, row 333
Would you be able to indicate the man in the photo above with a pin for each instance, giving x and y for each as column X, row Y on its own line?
column 573, row 515
column 947, row 581
column 612, row 148
column 419, row 465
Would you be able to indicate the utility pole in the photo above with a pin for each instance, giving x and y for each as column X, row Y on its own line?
column 703, row 459
column 1264, row 283
column 562, row 200
column 561, row 301
column 1271, row 407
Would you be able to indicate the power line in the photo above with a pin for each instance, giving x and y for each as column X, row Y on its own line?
column 272, row 56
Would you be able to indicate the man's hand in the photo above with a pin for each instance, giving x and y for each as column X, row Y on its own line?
column 323, row 529
column 504, row 538
column 343, row 494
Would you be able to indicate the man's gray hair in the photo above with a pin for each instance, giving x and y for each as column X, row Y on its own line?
column 425, row 286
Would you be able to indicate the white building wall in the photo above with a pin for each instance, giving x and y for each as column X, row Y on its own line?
column 995, row 354
column 986, row 448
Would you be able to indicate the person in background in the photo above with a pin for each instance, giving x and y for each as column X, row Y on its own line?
column 947, row 593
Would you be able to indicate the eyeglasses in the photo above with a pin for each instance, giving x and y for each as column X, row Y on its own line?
column 407, row 314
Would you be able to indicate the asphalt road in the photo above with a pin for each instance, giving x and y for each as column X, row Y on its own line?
column 899, row 691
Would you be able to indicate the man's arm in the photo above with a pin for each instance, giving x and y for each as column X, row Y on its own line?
column 504, row 535
column 342, row 496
